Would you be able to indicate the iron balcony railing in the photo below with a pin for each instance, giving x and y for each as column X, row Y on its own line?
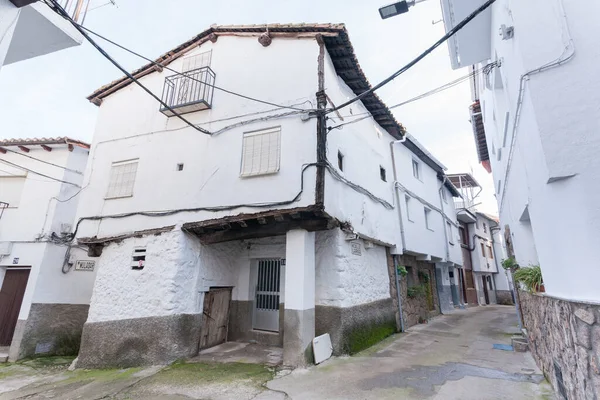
column 188, row 92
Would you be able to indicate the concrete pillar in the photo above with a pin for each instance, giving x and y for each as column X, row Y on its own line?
column 299, row 314
column 8, row 21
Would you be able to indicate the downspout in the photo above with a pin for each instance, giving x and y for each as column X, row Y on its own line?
column 402, row 237
column 444, row 218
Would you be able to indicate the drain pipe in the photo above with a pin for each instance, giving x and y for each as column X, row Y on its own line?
column 402, row 237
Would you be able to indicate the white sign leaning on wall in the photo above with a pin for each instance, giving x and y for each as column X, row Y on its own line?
column 85, row 265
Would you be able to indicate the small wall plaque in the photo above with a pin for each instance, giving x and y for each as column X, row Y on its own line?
column 85, row 265
column 356, row 250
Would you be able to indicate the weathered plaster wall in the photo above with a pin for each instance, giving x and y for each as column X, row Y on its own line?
column 130, row 126
column 564, row 339
column 344, row 279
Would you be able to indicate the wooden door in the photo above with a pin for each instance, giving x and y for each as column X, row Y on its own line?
column 11, row 297
column 485, row 290
column 215, row 318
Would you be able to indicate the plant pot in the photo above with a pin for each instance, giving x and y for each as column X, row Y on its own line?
column 540, row 288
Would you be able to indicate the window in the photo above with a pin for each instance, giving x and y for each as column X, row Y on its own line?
column 180, row 167
column 444, row 195
column 482, row 250
column 450, row 235
column 261, row 152
column 138, row 258
column 122, row 179
column 340, row 161
column 416, row 169
column 382, row 173
column 427, row 218
column 490, row 252
column 463, row 236
column 485, row 227
column 407, row 200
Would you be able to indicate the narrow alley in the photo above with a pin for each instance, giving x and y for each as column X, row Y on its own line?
column 452, row 357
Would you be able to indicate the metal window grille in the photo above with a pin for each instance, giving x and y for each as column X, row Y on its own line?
column 138, row 258
column 268, row 284
column 122, row 179
column 261, row 152
column 197, row 61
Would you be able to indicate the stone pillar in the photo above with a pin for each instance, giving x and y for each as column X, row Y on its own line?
column 299, row 314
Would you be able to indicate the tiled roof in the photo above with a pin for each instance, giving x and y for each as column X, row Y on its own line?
column 44, row 141
column 338, row 46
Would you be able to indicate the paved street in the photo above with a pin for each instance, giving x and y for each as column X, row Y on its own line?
column 449, row 358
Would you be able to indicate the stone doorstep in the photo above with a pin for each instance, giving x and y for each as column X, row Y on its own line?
column 3, row 358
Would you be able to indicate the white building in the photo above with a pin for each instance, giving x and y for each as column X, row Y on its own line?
column 292, row 228
column 535, row 118
column 44, row 299
column 30, row 29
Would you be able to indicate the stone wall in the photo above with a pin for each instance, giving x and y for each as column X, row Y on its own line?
column 564, row 338
column 415, row 309
column 49, row 329
column 504, row 297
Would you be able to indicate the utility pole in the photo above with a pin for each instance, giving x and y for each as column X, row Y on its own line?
column 321, row 126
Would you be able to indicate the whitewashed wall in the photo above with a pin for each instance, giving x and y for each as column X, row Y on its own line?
column 344, row 279
column 35, row 215
column 365, row 146
column 555, row 139
column 130, row 126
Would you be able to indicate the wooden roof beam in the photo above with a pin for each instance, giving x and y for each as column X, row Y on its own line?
column 24, row 149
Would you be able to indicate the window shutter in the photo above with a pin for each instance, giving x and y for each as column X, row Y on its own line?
column 122, row 179
column 261, row 152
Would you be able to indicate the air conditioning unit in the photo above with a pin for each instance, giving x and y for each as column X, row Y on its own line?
column 5, row 248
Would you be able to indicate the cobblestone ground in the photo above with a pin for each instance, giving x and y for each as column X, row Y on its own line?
column 449, row 358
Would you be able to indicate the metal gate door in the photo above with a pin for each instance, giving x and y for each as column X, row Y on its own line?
column 266, row 299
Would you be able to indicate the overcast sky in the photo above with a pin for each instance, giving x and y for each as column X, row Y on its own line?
column 46, row 96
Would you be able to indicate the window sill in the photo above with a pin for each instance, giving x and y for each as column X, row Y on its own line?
column 257, row 175
column 118, row 197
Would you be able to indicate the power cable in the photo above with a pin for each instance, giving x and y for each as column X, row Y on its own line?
column 447, row 36
column 37, row 173
column 183, row 74
column 60, row 11
column 431, row 92
column 45, row 162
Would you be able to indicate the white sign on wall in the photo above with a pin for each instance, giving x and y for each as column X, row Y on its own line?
column 85, row 265
column 356, row 250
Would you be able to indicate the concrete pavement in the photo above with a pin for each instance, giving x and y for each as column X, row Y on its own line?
column 449, row 358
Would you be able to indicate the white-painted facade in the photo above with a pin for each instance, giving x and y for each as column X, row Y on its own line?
column 32, row 31
column 179, row 168
column 39, row 206
column 539, row 108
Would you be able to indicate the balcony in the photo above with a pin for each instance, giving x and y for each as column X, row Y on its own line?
column 188, row 92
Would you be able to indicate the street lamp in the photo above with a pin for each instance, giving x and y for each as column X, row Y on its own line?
column 400, row 7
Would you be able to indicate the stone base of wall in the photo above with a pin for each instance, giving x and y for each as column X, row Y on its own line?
column 504, row 297
column 139, row 341
column 564, row 338
column 240, row 325
column 53, row 328
column 349, row 326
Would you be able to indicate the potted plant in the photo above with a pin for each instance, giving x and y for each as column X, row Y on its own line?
column 531, row 278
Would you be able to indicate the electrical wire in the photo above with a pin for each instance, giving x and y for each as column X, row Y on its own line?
column 183, row 74
column 165, row 213
column 431, row 92
column 37, row 173
column 336, row 175
column 60, row 11
column 408, row 66
column 45, row 162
